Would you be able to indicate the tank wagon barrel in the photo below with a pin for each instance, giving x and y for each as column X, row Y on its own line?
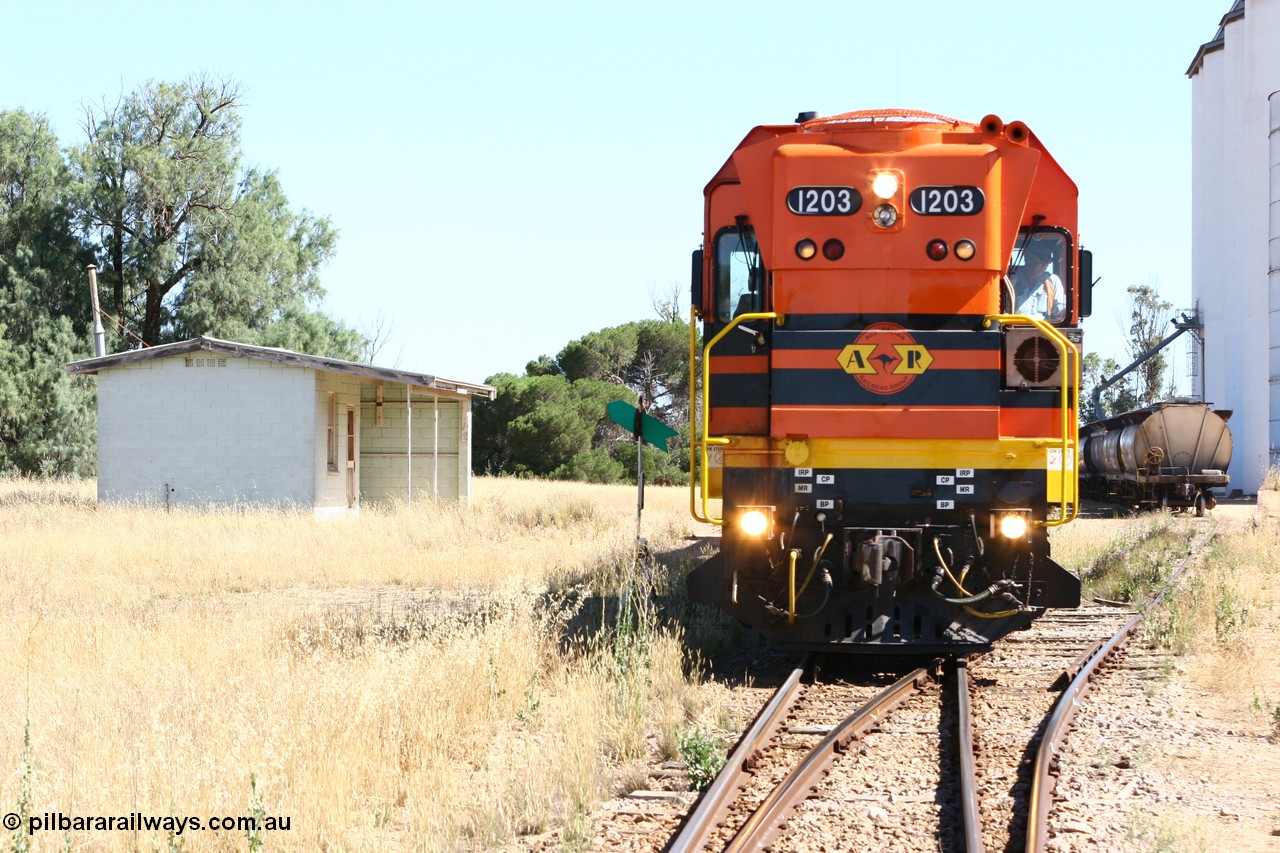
column 1170, row 454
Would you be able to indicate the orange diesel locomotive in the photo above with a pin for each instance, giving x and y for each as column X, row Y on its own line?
column 889, row 379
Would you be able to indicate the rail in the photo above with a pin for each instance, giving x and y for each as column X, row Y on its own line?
column 1070, row 402
column 1040, row 801
column 714, row 804
column 973, row 842
column 760, row 827
column 698, row 438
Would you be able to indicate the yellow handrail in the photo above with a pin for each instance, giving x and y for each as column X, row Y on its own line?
column 791, row 586
column 698, row 438
column 698, row 419
column 1070, row 403
column 694, row 439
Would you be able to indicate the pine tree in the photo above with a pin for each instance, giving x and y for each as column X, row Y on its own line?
column 47, row 423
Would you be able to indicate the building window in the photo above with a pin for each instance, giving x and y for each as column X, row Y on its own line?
column 333, row 431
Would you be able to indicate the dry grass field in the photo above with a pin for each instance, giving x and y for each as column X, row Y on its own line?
column 397, row 681
column 440, row 678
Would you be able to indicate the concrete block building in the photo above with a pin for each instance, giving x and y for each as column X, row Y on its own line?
column 207, row 422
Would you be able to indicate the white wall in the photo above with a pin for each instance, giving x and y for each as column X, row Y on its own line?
column 221, row 430
column 1273, row 281
column 1230, row 124
column 331, row 483
column 438, row 435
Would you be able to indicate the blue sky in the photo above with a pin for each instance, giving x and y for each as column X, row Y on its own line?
column 507, row 177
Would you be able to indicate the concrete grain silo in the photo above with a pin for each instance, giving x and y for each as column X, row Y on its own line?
column 1235, row 222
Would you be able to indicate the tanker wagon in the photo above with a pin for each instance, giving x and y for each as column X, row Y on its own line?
column 1170, row 454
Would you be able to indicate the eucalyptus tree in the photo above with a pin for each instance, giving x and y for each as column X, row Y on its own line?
column 1149, row 316
column 190, row 241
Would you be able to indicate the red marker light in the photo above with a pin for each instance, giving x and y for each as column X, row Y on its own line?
column 833, row 250
column 936, row 250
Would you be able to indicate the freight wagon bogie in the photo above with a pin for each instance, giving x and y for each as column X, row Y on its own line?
column 887, row 422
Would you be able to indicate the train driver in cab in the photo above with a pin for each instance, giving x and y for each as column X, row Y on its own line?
column 1037, row 290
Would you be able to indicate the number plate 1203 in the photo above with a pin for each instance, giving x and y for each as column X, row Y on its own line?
column 947, row 201
column 823, row 201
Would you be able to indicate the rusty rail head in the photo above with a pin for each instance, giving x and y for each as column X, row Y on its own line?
column 973, row 842
column 714, row 803
column 1056, row 729
column 759, row 828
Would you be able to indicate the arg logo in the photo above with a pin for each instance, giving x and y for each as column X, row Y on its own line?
column 885, row 359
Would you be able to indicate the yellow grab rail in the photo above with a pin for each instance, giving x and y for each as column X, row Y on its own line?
column 791, row 586
column 698, row 438
column 1070, row 403
column 695, row 440
column 698, row 416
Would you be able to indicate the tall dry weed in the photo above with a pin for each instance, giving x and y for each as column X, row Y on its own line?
column 1226, row 595
column 1087, row 547
column 402, row 680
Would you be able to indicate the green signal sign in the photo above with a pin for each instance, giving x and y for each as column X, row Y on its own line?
column 639, row 424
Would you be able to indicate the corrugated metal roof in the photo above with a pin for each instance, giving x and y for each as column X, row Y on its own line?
column 279, row 356
column 1217, row 42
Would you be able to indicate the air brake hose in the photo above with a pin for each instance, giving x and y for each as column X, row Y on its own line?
column 988, row 593
column 943, row 567
column 817, row 555
column 968, row 600
column 826, row 596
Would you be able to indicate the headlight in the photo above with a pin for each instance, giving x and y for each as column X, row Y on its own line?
column 1013, row 526
column 753, row 522
column 885, row 185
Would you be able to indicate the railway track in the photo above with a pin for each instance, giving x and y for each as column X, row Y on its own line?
column 1040, row 805
column 789, row 750
column 961, row 757
column 1016, row 688
column 932, row 761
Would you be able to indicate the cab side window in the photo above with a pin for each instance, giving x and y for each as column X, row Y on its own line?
column 1040, row 275
column 739, row 276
